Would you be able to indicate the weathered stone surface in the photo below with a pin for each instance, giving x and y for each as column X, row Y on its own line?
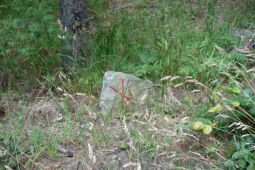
column 124, row 90
column 250, row 45
column 245, row 36
column 45, row 111
column 243, row 33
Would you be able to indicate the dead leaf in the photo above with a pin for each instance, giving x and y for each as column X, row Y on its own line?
column 92, row 157
column 7, row 167
column 139, row 167
column 129, row 164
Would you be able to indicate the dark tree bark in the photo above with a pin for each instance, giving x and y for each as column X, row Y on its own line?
column 74, row 24
column 3, row 79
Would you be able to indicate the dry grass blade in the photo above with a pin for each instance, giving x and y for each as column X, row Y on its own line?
column 91, row 155
column 130, row 164
column 7, row 167
column 165, row 78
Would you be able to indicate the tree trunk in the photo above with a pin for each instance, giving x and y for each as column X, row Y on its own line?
column 3, row 79
column 74, row 24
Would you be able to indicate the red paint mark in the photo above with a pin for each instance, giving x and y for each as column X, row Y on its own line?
column 122, row 94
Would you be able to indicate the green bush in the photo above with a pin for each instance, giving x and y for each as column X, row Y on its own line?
column 28, row 39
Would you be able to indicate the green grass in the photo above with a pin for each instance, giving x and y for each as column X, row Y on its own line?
column 152, row 42
column 29, row 42
column 150, row 39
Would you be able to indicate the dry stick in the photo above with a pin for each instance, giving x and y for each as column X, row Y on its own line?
column 202, row 159
column 237, row 118
column 248, row 114
column 109, row 11
column 124, row 6
column 131, row 4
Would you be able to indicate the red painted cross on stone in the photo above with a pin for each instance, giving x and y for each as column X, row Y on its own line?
column 122, row 93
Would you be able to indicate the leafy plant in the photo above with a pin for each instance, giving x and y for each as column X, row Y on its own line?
column 29, row 40
column 243, row 155
column 239, row 110
column 207, row 129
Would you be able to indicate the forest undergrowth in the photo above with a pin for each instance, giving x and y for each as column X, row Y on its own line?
column 189, row 46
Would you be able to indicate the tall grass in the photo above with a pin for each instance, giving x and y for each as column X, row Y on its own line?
column 147, row 38
column 152, row 40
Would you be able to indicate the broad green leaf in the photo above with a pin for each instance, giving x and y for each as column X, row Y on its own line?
column 214, row 97
column 198, row 125
column 216, row 94
column 252, row 111
column 241, row 153
column 242, row 163
column 218, row 107
column 235, row 103
column 212, row 110
column 229, row 163
column 235, row 90
column 213, row 124
column 207, row 129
